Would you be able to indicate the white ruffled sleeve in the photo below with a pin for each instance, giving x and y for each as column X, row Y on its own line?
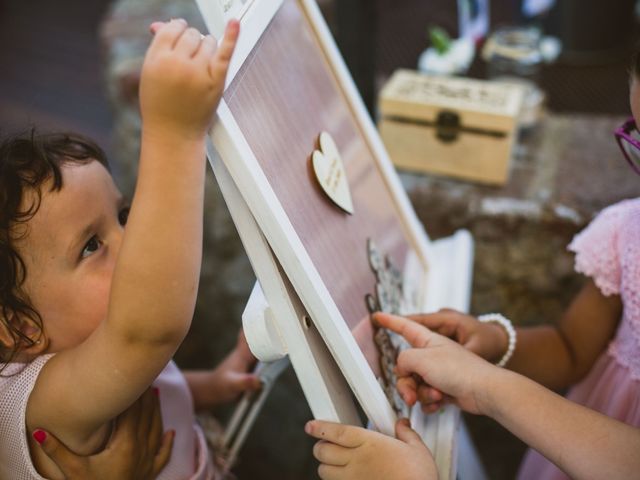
column 597, row 248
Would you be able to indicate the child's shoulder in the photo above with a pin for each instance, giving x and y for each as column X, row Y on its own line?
column 21, row 376
column 614, row 219
column 16, row 382
column 603, row 247
column 622, row 209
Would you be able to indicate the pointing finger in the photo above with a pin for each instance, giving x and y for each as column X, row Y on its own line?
column 417, row 335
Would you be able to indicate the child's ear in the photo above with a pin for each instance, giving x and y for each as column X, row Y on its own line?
column 6, row 339
column 28, row 328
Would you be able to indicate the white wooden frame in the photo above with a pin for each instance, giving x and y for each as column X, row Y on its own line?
column 325, row 354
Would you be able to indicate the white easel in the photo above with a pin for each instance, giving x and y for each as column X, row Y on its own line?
column 293, row 313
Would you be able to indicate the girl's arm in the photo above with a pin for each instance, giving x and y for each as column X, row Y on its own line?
column 559, row 356
column 155, row 279
column 581, row 442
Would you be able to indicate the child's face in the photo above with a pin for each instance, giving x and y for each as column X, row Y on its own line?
column 70, row 252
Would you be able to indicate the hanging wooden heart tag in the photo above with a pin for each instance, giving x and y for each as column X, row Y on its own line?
column 330, row 173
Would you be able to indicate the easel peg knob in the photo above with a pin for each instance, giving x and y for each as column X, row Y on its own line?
column 260, row 328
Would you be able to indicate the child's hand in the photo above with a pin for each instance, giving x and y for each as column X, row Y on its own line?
column 231, row 377
column 438, row 362
column 227, row 381
column 485, row 339
column 347, row 452
column 183, row 79
column 488, row 340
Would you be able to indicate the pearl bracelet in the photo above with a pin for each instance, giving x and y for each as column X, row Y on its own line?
column 511, row 333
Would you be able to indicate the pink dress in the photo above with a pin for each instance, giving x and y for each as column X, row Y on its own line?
column 608, row 251
column 189, row 458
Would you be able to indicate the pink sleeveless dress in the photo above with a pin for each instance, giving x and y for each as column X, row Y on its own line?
column 190, row 459
column 608, row 251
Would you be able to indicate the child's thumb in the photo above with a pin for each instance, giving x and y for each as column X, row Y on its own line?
column 406, row 434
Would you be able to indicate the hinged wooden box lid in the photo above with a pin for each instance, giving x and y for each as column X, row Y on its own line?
column 479, row 103
column 450, row 126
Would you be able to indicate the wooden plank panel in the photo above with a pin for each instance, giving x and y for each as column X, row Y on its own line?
column 282, row 99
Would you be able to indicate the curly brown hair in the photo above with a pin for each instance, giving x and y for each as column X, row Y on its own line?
column 27, row 162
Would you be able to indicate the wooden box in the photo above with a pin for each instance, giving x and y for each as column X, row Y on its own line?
column 450, row 126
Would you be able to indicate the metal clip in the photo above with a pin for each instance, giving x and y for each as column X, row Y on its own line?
column 447, row 126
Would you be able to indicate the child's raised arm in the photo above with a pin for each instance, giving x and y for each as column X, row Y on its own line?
column 155, row 279
column 581, row 442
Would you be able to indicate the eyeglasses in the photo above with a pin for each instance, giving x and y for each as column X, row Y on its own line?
column 628, row 138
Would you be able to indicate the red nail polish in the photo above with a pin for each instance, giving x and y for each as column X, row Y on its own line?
column 40, row 436
column 156, row 391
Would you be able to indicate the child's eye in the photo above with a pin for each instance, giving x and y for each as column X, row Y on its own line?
column 123, row 216
column 91, row 247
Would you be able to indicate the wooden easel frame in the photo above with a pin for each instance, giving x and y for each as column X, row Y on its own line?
column 324, row 354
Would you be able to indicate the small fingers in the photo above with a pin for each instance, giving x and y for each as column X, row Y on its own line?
column 251, row 382
column 331, row 454
column 431, row 408
column 428, row 395
column 445, row 321
column 432, row 405
column 416, row 334
column 343, row 435
column 167, row 34
column 434, row 321
column 206, row 50
column 220, row 61
column 405, row 433
column 407, row 388
column 155, row 26
column 244, row 382
column 189, row 42
column 413, row 361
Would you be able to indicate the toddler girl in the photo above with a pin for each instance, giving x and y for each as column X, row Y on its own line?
column 92, row 314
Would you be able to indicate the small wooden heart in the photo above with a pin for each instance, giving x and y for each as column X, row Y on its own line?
column 330, row 173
